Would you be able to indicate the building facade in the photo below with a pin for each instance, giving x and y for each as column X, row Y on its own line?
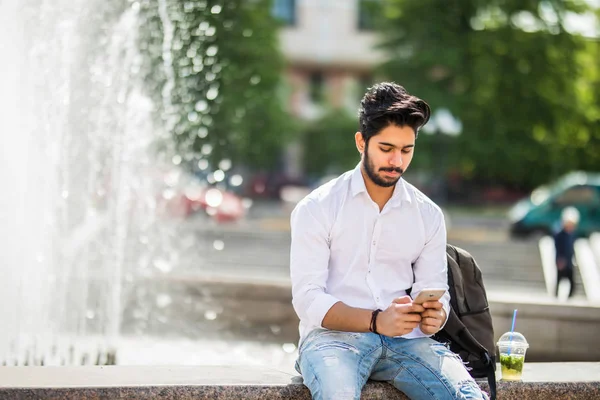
column 330, row 50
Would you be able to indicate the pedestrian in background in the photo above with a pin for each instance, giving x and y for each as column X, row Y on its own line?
column 564, row 243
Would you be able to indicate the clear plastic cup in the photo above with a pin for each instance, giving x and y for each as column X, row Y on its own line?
column 512, row 348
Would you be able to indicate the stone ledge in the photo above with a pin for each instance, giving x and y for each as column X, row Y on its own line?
column 541, row 381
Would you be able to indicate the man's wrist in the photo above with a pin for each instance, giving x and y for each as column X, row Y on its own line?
column 373, row 324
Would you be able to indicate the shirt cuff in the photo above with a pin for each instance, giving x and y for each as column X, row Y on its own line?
column 319, row 307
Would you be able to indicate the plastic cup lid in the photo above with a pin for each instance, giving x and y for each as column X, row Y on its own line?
column 513, row 339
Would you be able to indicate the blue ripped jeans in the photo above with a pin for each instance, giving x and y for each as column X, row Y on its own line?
column 336, row 365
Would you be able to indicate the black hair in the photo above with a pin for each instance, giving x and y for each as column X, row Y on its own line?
column 388, row 103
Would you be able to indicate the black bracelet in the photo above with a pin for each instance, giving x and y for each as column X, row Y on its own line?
column 373, row 326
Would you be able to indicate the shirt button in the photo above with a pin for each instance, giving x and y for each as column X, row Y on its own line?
column 374, row 243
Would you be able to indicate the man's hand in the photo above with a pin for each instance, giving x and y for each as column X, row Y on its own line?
column 400, row 318
column 432, row 318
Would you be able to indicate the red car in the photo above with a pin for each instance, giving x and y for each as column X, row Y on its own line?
column 185, row 194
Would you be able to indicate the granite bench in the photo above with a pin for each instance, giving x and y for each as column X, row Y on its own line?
column 540, row 381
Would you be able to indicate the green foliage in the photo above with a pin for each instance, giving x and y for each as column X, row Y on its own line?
column 329, row 146
column 226, row 101
column 525, row 89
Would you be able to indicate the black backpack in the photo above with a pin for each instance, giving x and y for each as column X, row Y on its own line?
column 469, row 331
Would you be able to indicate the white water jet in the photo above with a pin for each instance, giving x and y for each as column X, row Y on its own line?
column 77, row 177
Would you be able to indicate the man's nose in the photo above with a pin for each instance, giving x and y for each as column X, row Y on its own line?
column 396, row 159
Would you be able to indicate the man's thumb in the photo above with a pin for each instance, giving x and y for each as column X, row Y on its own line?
column 402, row 300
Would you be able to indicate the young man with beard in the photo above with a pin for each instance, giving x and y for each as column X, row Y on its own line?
column 358, row 243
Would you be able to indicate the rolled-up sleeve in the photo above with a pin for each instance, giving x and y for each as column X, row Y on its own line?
column 309, row 263
column 431, row 268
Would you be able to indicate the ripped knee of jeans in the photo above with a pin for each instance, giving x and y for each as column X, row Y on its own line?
column 441, row 350
column 337, row 346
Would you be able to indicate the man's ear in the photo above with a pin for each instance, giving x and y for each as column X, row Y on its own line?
column 360, row 142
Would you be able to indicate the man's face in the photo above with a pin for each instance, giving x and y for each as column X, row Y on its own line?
column 388, row 154
column 570, row 226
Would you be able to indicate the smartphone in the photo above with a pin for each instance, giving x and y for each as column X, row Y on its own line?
column 429, row 295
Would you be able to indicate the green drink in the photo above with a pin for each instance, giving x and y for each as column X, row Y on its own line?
column 512, row 366
column 512, row 347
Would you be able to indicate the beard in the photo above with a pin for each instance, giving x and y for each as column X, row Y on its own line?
column 382, row 181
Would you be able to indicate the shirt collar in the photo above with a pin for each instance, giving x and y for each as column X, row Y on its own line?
column 358, row 182
column 400, row 191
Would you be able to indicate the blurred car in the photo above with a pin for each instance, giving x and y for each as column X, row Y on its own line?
column 220, row 204
column 540, row 212
column 269, row 185
column 184, row 194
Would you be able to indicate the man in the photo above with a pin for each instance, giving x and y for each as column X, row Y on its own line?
column 358, row 243
column 564, row 243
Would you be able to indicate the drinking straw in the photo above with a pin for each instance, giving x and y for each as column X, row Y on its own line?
column 512, row 329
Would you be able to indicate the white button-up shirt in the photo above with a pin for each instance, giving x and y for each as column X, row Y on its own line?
column 345, row 249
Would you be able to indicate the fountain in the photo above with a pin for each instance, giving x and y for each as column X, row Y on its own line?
column 77, row 170
column 90, row 250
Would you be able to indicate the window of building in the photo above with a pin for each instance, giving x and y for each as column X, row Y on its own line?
column 316, row 88
column 285, row 11
column 368, row 11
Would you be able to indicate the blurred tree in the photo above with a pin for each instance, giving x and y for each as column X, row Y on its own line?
column 329, row 143
column 525, row 89
column 213, row 68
